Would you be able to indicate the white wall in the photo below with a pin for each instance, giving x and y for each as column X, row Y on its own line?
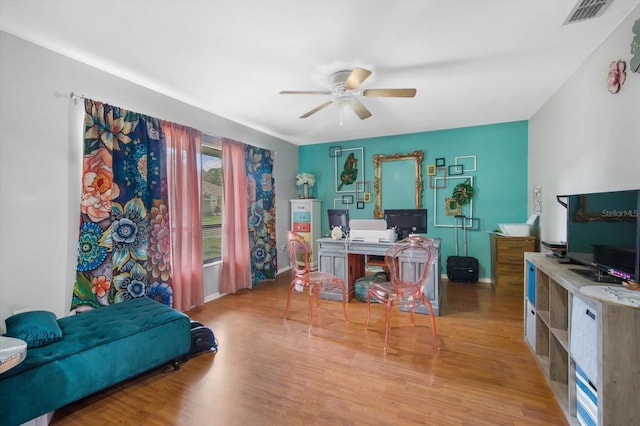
column 40, row 167
column 585, row 139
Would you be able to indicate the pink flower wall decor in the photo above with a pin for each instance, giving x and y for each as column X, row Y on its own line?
column 617, row 76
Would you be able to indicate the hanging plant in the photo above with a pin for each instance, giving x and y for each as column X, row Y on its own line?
column 463, row 192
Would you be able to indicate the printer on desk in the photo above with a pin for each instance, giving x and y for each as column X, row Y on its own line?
column 371, row 230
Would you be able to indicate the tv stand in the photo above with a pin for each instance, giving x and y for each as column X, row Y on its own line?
column 596, row 275
column 583, row 345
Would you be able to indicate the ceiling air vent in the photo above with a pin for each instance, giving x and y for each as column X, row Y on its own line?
column 587, row 9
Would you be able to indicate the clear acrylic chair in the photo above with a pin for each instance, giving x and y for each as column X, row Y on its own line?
column 409, row 262
column 314, row 281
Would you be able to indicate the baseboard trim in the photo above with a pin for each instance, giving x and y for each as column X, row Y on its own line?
column 213, row 296
column 282, row 270
column 480, row 280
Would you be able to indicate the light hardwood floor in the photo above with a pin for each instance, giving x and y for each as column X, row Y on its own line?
column 268, row 371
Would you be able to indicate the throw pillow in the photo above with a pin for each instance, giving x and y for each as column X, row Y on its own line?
column 37, row 328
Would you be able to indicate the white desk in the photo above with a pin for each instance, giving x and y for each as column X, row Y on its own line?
column 12, row 352
column 345, row 259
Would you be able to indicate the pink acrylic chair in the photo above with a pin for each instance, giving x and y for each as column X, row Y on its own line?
column 409, row 262
column 315, row 281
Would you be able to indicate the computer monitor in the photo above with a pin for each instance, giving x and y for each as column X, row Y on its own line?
column 407, row 221
column 339, row 217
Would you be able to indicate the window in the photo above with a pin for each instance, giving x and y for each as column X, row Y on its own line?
column 211, row 203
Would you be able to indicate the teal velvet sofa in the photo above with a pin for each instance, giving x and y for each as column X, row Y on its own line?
column 97, row 349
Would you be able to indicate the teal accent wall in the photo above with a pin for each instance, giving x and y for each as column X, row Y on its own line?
column 500, row 179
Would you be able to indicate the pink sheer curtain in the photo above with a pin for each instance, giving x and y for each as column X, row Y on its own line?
column 236, row 267
column 185, row 209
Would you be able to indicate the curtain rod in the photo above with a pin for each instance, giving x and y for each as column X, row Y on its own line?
column 210, row 134
column 74, row 96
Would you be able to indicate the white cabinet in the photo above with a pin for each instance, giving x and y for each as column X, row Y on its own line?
column 306, row 220
column 587, row 348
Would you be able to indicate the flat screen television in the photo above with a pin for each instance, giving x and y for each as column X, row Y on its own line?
column 603, row 232
column 407, row 221
column 339, row 217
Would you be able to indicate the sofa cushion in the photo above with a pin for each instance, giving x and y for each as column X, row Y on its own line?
column 37, row 328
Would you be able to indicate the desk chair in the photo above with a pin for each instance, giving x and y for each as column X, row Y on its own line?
column 315, row 281
column 409, row 263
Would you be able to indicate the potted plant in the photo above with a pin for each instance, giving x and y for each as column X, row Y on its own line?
column 305, row 180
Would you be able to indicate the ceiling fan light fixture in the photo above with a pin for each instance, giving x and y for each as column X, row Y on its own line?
column 346, row 93
column 344, row 103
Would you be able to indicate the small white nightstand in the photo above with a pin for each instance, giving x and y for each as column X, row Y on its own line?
column 12, row 352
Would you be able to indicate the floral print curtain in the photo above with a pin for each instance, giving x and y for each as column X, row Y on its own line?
column 262, row 214
column 124, row 244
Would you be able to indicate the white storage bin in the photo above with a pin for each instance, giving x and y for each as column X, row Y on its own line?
column 586, row 400
column 530, row 331
column 584, row 338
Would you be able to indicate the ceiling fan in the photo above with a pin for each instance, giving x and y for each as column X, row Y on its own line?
column 345, row 94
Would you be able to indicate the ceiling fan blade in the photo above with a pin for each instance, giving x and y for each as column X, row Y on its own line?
column 357, row 76
column 316, row 109
column 305, row 92
column 390, row 93
column 360, row 110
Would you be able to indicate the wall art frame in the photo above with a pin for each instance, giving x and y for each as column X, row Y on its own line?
column 440, row 218
column 456, row 170
column 339, row 204
column 362, row 187
column 335, row 151
column 537, row 199
column 347, row 199
column 469, row 162
column 345, row 178
column 451, row 207
column 414, row 160
column 443, row 174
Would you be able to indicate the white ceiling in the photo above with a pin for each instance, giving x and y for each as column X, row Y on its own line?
column 472, row 62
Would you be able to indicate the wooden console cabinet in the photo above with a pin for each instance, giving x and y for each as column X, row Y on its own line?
column 582, row 344
column 507, row 255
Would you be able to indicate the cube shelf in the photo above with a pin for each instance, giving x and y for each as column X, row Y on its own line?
column 615, row 339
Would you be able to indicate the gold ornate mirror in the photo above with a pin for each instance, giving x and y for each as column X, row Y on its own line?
column 412, row 163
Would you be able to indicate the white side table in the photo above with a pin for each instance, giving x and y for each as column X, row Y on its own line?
column 12, row 352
